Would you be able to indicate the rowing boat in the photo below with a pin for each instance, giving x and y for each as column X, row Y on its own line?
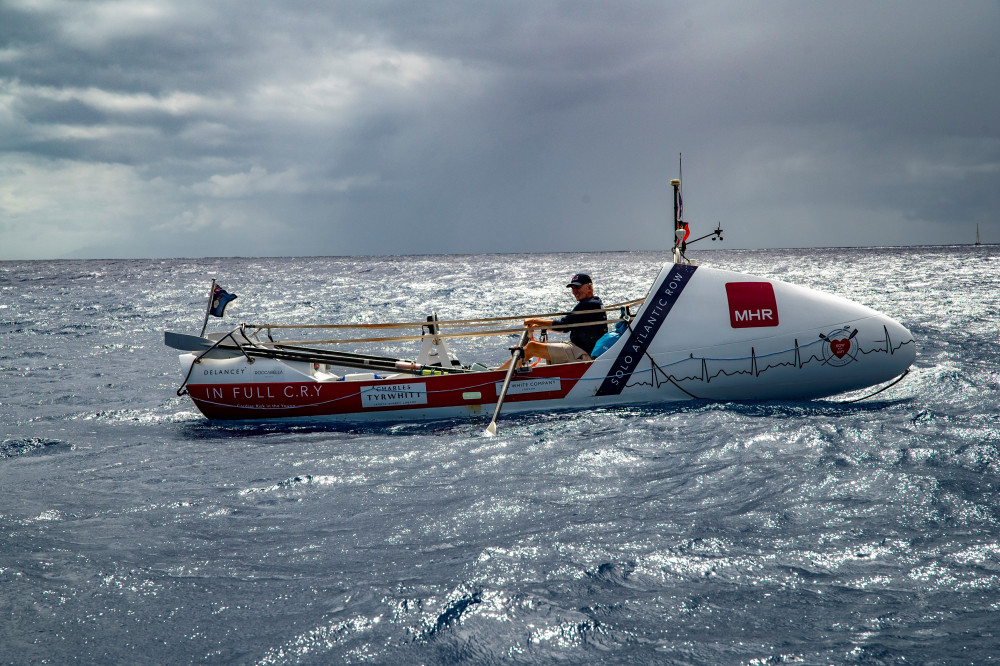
column 699, row 333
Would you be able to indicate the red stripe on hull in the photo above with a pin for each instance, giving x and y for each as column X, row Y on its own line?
column 255, row 400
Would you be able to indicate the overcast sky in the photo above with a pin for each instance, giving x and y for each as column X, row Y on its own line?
column 165, row 128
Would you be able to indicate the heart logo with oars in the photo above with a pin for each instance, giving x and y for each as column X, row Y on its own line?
column 840, row 347
column 839, row 353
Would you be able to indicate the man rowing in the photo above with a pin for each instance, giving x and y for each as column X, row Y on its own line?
column 581, row 338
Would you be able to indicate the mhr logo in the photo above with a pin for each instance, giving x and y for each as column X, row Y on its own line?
column 751, row 304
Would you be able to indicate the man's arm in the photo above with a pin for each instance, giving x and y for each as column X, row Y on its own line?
column 539, row 322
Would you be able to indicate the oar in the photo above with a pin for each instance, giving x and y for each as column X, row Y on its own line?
column 491, row 429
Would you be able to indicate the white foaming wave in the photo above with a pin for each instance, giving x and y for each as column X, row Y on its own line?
column 318, row 640
column 141, row 416
column 304, row 480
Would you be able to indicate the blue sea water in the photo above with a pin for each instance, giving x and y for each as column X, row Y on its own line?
column 132, row 530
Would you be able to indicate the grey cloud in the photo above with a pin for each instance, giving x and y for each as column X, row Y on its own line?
column 165, row 128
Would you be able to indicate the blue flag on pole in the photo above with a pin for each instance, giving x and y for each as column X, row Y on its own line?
column 220, row 299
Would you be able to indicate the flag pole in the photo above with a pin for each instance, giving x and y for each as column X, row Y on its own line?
column 211, row 296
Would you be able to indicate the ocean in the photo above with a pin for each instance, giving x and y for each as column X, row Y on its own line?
column 133, row 530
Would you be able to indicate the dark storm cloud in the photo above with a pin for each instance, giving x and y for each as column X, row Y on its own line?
column 185, row 128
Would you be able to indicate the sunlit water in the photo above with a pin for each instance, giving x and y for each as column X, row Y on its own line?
column 132, row 530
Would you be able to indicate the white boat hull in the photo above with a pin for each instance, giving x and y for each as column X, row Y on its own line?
column 721, row 335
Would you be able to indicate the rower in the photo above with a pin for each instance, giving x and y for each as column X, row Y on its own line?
column 581, row 338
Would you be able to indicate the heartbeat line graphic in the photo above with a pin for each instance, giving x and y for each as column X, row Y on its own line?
column 832, row 351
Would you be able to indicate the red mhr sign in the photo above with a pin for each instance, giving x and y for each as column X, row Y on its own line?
column 751, row 304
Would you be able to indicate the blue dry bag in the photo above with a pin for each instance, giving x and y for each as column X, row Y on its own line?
column 605, row 341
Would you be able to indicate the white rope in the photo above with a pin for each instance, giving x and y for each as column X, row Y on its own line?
column 406, row 338
column 464, row 323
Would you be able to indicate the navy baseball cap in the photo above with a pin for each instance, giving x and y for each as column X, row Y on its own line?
column 579, row 280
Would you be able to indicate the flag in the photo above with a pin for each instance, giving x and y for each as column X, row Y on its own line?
column 220, row 299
